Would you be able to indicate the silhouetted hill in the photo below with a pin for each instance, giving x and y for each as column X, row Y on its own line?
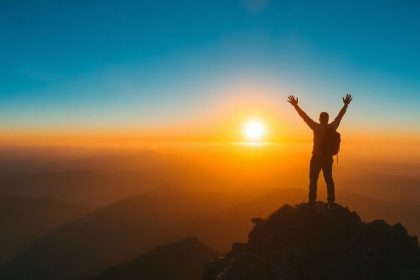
column 111, row 235
column 24, row 219
column 182, row 260
column 317, row 242
column 131, row 227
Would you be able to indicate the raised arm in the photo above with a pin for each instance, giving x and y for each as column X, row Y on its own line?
column 294, row 101
column 346, row 101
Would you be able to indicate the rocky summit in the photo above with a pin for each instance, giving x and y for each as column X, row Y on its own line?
column 320, row 242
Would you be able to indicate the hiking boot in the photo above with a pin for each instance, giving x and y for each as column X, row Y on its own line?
column 331, row 205
column 311, row 204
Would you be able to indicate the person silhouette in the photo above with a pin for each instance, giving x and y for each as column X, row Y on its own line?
column 320, row 160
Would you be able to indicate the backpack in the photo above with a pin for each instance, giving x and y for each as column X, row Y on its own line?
column 331, row 143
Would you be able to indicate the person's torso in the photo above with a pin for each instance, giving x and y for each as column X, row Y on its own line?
column 319, row 131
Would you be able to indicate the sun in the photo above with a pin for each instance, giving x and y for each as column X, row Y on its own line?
column 254, row 130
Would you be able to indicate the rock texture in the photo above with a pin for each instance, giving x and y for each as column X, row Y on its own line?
column 319, row 242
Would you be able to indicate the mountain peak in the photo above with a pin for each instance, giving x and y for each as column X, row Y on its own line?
column 318, row 242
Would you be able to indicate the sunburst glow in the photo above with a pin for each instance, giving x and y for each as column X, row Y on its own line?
column 254, row 130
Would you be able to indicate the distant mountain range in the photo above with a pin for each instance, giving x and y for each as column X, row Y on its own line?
column 24, row 219
column 181, row 260
column 87, row 188
column 131, row 227
column 110, row 235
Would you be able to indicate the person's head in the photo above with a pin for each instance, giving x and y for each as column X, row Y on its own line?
column 323, row 118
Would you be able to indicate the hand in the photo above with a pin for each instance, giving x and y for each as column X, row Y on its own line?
column 347, row 99
column 292, row 100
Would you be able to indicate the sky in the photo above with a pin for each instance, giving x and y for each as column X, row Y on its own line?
column 168, row 67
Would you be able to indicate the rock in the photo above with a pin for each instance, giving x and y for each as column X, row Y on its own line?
column 411, row 275
column 301, row 243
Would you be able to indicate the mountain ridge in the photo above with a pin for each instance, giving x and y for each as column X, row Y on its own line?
column 181, row 260
column 301, row 242
column 130, row 227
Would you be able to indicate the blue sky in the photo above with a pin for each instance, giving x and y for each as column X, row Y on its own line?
column 142, row 63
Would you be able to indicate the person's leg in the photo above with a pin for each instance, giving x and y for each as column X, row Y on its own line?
column 314, row 169
column 327, row 171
